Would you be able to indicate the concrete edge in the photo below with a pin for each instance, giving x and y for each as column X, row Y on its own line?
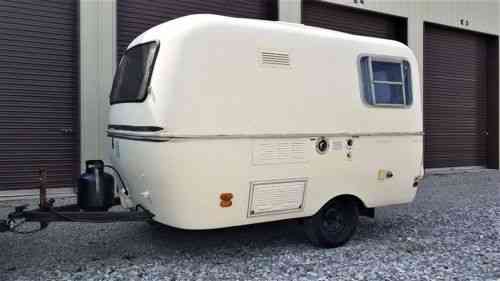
column 457, row 170
column 30, row 194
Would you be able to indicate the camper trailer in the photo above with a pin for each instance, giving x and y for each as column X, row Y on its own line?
column 218, row 122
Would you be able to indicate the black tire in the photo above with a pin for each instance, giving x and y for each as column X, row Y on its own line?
column 334, row 224
column 153, row 223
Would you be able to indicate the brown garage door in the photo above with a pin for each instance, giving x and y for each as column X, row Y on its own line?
column 38, row 92
column 355, row 21
column 136, row 16
column 455, row 97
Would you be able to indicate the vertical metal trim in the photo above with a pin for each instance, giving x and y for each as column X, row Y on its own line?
column 114, row 35
column 78, row 119
column 401, row 66
column 372, row 85
column 289, row 11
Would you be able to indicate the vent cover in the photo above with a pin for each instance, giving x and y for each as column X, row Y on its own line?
column 281, row 151
column 276, row 197
column 275, row 58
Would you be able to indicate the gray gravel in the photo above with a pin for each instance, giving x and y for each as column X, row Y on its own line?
column 450, row 232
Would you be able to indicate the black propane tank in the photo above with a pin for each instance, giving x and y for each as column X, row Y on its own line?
column 95, row 187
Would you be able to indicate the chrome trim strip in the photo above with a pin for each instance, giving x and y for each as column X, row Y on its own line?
column 164, row 136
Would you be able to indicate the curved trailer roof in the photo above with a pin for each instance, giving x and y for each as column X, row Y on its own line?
column 218, row 75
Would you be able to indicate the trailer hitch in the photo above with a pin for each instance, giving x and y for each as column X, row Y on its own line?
column 68, row 213
column 47, row 213
column 10, row 223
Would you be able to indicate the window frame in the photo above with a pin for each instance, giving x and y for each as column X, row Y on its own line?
column 388, row 59
column 148, row 72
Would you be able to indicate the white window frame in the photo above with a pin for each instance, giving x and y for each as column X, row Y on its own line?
column 372, row 81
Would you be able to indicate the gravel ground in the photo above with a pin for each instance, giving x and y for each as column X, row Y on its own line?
column 450, row 232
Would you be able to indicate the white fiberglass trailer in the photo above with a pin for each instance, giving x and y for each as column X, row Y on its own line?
column 218, row 121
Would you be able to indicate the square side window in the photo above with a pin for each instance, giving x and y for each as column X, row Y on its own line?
column 385, row 82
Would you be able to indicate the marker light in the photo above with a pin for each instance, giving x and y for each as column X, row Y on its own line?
column 225, row 200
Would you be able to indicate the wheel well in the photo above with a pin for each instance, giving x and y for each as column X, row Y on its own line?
column 363, row 210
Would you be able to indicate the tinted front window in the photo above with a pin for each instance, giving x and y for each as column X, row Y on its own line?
column 133, row 74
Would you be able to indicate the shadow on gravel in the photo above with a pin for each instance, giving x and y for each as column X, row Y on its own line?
column 265, row 234
column 266, row 237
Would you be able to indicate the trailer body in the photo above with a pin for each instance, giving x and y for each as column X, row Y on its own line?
column 219, row 121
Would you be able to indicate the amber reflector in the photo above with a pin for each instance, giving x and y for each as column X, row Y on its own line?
column 226, row 196
column 225, row 204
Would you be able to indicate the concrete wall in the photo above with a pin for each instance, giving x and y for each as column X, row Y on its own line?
column 98, row 46
column 97, row 66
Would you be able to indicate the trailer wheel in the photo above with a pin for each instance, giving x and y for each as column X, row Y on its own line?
column 334, row 224
column 153, row 223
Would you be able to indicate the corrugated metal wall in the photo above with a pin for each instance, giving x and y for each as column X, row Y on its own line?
column 39, row 77
column 355, row 21
column 136, row 16
column 455, row 97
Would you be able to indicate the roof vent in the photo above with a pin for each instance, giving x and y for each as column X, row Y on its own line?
column 275, row 58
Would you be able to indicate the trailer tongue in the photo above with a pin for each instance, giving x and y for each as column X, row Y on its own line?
column 95, row 196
